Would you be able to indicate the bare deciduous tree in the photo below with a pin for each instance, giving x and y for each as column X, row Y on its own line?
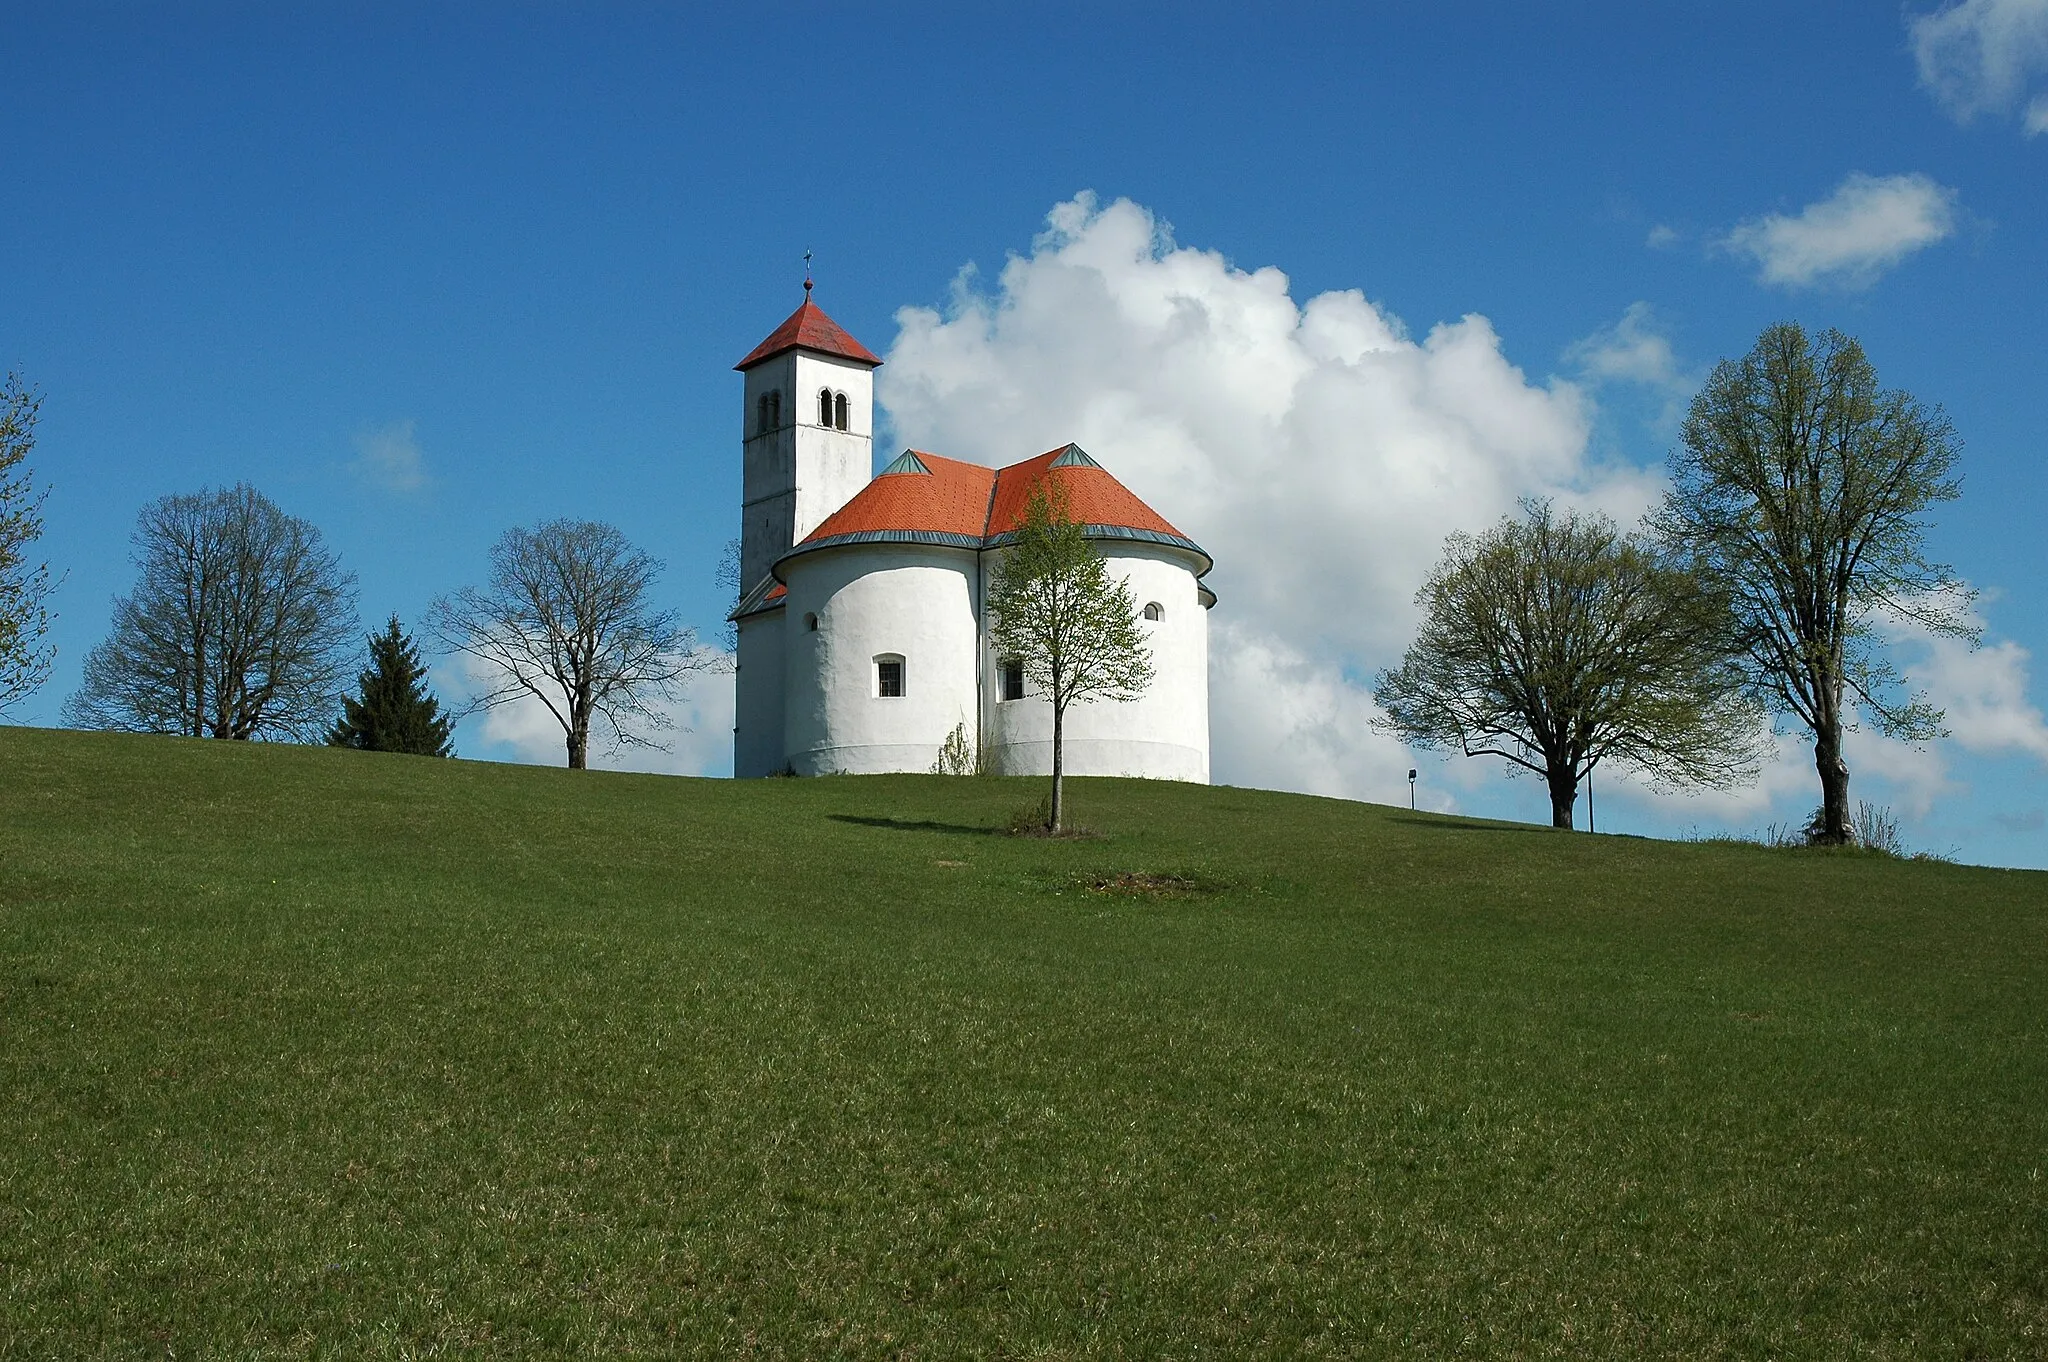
column 1799, row 487
column 1555, row 643
column 24, row 621
column 241, row 625
column 566, row 619
column 727, row 579
column 1056, row 611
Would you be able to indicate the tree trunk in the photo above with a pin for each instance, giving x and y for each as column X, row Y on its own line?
column 1059, row 766
column 579, row 747
column 1564, row 792
column 1834, row 784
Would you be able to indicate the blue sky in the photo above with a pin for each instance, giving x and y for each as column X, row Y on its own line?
column 423, row 273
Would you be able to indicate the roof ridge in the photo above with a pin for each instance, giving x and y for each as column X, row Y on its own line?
column 988, row 514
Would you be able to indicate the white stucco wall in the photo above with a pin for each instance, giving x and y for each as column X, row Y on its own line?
column 757, row 697
column 871, row 600
column 1162, row 735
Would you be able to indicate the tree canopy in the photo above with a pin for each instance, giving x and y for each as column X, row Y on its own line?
column 1556, row 643
column 394, row 711
column 1055, row 611
column 1799, row 490
column 241, row 625
column 567, row 618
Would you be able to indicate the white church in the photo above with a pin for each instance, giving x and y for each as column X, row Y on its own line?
column 862, row 639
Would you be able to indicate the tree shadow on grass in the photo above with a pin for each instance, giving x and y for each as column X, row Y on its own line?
column 1442, row 824
column 918, row 825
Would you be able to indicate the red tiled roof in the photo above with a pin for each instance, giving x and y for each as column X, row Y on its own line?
column 951, row 499
column 1093, row 496
column 969, row 503
column 808, row 328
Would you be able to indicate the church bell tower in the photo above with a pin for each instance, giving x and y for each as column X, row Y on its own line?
column 809, row 430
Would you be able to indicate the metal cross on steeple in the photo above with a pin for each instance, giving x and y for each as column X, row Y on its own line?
column 807, row 274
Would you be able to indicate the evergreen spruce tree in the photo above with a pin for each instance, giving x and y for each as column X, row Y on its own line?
column 396, row 712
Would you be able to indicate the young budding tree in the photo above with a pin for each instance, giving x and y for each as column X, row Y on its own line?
column 24, row 622
column 1054, row 608
column 566, row 619
column 395, row 712
column 1798, row 490
column 1556, row 643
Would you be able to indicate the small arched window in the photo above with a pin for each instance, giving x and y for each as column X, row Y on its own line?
column 824, row 406
column 889, row 676
column 770, row 412
column 839, row 411
column 1155, row 611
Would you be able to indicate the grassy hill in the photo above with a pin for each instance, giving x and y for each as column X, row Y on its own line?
column 309, row 1052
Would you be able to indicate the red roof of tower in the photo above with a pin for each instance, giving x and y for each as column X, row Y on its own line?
column 808, row 328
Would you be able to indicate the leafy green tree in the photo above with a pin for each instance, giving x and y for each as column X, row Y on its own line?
column 1072, row 627
column 395, row 712
column 24, row 622
column 1555, row 643
column 241, row 625
column 1799, row 489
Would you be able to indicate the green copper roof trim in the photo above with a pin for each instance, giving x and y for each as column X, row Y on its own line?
column 906, row 462
column 1073, row 456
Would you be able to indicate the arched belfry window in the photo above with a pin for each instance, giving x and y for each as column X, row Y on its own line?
column 1155, row 611
column 839, row 411
column 770, row 412
column 824, row 406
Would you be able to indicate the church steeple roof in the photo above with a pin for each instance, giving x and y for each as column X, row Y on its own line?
column 808, row 328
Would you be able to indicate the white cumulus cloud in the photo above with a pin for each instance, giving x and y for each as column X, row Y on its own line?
column 1322, row 453
column 1985, row 57
column 1633, row 350
column 1637, row 351
column 1869, row 224
column 389, row 457
column 1317, row 449
column 1983, row 692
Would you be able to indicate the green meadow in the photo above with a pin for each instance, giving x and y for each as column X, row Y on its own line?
column 316, row 1053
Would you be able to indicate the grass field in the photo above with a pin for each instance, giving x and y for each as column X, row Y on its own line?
column 321, row 1053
